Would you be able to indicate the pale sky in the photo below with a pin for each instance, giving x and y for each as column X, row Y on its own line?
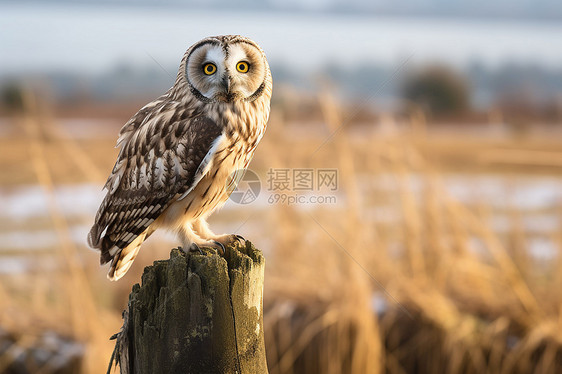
column 36, row 37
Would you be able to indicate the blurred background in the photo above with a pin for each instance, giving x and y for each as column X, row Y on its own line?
column 437, row 246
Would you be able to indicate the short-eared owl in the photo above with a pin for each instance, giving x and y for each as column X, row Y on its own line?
column 177, row 152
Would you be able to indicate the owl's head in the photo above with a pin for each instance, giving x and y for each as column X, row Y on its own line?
column 225, row 68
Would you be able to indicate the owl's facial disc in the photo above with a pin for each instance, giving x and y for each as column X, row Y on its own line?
column 226, row 73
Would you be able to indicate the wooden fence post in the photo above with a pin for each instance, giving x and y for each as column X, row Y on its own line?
column 196, row 314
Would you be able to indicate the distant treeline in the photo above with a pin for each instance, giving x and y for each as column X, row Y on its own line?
column 435, row 88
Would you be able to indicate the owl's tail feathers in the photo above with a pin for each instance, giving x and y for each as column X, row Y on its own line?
column 94, row 236
column 123, row 259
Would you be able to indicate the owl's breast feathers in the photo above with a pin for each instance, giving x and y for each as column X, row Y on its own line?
column 166, row 149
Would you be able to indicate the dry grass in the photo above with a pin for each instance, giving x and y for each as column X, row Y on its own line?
column 437, row 289
column 449, row 307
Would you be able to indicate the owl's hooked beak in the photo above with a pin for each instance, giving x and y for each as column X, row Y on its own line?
column 225, row 95
column 225, row 84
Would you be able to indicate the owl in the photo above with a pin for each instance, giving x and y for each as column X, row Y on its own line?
column 177, row 153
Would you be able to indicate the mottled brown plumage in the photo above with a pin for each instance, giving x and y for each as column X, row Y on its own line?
column 177, row 152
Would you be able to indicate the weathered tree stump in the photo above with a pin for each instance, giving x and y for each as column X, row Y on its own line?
column 196, row 314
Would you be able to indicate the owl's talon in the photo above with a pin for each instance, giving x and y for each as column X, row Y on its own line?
column 222, row 249
column 194, row 247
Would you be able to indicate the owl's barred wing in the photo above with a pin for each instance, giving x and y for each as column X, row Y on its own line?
column 160, row 159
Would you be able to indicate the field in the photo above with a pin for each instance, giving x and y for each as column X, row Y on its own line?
column 437, row 251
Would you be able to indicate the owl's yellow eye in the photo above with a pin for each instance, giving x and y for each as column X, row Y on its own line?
column 243, row 67
column 209, row 69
